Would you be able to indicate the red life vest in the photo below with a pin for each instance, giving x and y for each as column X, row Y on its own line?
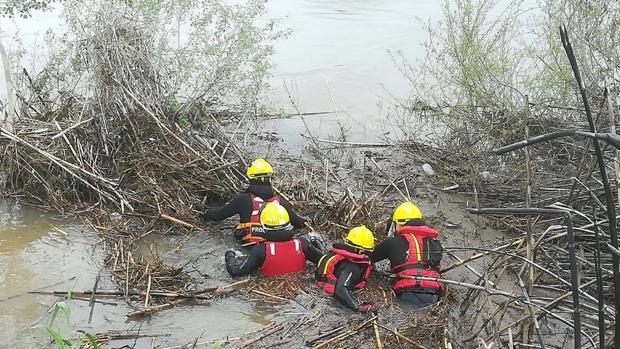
column 253, row 229
column 283, row 258
column 416, row 263
column 325, row 277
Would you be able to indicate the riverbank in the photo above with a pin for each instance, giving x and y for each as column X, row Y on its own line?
column 298, row 302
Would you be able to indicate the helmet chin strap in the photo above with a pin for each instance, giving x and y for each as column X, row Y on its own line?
column 389, row 232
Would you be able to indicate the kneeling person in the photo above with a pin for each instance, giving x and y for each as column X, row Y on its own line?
column 280, row 254
column 249, row 203
column 414, row 251
column 346, row 267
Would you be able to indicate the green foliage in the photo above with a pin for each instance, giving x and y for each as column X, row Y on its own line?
column 172, row 53
column 63, row 335
column 470, row 57
column 23, row 8
column 484, row 56
column 595, row 35
column 490, row 53
column 469, row 82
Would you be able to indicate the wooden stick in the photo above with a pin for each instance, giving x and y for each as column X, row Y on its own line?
column 71, row 127
column 532, row 313
column 148, row 290
column 197, row 295
column 270, row 295
column 94, row 301
column 39, row 290
column 92, row 298
column 377, row 335
column 402, row 195
column 271, row 329
column 406, row 339
column 612, row 123
column 346, row 334
column 178, row 221
column 479, row 255
column 471, row 269
column 325, row 335
column 525, row 329
column 156, row 308
column 352, row 144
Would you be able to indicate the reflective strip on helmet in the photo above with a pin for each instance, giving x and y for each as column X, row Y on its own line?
column 272, row 248
column 258, row 199
column 296, row 245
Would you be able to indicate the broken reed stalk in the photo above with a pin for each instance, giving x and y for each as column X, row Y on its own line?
column 179, row 222
column 115, row 293
column 92, row 297
column 574, row 284
column 377, row 335
column 599, row 280
column 156, row 308
column 532, row 313
column 479, row 255
column 528, row 240
column 612, row 123
column 346, row 334
column 268, row 331
column 611, row 207
column 400, row 336
column 325, row 335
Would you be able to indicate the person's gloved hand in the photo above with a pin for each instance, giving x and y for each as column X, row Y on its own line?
column 229, row 255
column 200, row 207
column 364, row 308
column 309, row 220
column 318, row 244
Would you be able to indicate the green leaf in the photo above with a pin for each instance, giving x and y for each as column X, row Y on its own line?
column 92, row 340
column 55, row 335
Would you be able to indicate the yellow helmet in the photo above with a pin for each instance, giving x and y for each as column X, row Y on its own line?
column 405, row 212
column 259, row 169
column 273, row 216
column 360, row 237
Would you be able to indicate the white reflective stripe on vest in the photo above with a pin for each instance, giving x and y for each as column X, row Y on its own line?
column 296, row 245
column 272, row 248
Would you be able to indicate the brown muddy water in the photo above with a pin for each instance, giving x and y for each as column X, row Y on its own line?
column 39, row 250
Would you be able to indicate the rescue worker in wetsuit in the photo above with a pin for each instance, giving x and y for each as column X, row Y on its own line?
column 413, row 251
column 280, row 254
column 346, row 267
column 248, row 204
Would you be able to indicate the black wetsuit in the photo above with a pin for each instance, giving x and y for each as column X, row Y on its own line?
column 395, row 249
column 242, row 205
column 255, row 258
column 348, row 275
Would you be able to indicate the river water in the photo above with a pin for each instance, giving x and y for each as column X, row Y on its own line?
column 336, row 60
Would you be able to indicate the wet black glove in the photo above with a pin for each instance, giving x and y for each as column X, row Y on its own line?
column 364, row 308
column 318, row 244
column 230, row 256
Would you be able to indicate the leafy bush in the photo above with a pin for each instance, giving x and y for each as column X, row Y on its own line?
column 168, row 53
